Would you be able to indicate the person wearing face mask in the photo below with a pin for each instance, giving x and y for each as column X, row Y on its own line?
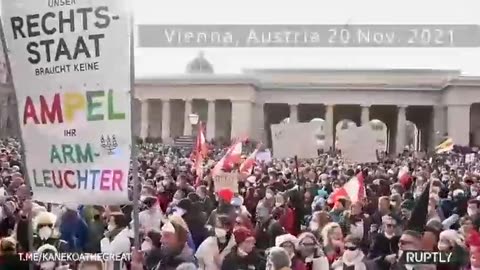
column 385, row 243
column 116, row 239
column 150, row 247
column 150, row 218
column 45, row 234
column 353, row 257
column 243, row 254
column 311, row 252
column 472, row 208
column 452, row 241
column 289, row 243
column 212, row 251
column 50, row 265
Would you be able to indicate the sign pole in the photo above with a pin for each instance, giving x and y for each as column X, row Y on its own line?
column 22, row 145
column 135, row 179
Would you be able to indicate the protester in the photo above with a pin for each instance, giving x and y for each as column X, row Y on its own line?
column 288, row 210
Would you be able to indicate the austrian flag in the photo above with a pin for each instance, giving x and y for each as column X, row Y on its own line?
column 354, row 190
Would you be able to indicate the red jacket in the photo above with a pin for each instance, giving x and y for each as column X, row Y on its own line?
column 288, row 221
column 164, row 200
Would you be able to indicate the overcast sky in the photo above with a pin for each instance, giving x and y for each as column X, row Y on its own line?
column 232, row 60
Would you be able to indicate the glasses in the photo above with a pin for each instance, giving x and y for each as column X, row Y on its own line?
column 351, row 248
column 390, row 225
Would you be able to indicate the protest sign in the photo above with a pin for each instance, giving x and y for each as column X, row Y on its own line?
column 226, row 180
column 264, row 156
column 71, row 72
column 470, row 158
column 358, row 144
column 296, row 139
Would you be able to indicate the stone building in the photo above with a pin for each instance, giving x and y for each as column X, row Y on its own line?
column 437, row 102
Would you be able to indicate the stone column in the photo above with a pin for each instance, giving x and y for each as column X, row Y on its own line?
column 187, row 127
column 458, row 120
column 439, row 125
column 365, row 117
column 241, row 118
column 166, row 120
column 329, row 126
column 145, row 119
column 401, row 128
column 259, row 119
column 211, row 120
column 293, row 113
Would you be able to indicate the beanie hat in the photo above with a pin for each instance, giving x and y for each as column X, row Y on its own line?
column 241, row 234
column 226, row 194
column 278, row 257
column 286, row 238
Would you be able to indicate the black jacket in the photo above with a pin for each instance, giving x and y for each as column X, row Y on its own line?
column 253, row 261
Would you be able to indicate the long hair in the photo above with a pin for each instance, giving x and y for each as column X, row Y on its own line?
column 327, row 230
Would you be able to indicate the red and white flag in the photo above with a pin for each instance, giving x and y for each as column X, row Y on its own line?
column 354, row 189
column 249, row 163
column 200, row 152
column 232, row 157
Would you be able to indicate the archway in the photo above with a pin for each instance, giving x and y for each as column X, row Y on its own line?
column 413, row 136
column 381, row 133
column 474, row 136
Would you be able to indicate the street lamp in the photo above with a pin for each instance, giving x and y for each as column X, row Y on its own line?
column 193, row 118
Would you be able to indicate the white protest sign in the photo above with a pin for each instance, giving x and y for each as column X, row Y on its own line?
column 358, row 144
column 470, row 158
column 264, row 156
column 296, row 139
column 226, row 180
column 71, row 72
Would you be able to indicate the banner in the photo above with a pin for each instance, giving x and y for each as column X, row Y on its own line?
column 295, row 139
column 358, row 144
column 226, row 180
column 70, row 63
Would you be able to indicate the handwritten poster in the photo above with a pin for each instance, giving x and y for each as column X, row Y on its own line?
column 71, row 72
column 226, row 180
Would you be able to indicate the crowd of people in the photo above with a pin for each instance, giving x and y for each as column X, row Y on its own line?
column 284, row 215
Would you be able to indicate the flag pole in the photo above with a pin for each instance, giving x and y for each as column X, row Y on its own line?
column 134, row 150
column 22, row 145
column 296, row 167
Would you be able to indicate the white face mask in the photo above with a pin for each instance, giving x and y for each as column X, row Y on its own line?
column 471, row 212
column 146, row 246
column 111, row 227
column 242, row 253
column 219, row 232
column 165, row 183
column 313, row 226
column 45, row 232
column 47, row 265
column 142, row 197
column 349, row 255
column 268, row 196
